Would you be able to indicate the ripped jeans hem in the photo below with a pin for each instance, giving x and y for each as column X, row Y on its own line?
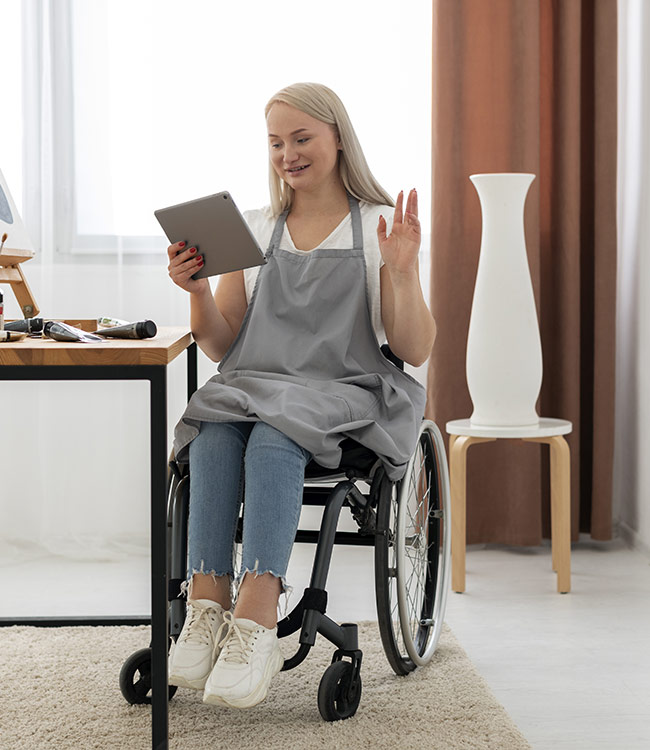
column 286, row 588
column 235, row 583
column 186, row 586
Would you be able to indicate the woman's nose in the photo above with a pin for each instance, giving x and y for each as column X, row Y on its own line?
column 290, row 154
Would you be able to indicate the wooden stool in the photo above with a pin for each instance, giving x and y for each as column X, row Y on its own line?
column 462, row 435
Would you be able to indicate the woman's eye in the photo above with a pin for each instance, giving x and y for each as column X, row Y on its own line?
column 299, row 140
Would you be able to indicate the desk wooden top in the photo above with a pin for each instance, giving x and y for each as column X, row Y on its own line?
column 164, row 347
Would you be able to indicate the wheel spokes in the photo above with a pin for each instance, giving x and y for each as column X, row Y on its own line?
column 420, row 521
column 417, row 545
column 418, row 551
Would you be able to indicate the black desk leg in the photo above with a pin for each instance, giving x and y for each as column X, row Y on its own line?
column 159, row 610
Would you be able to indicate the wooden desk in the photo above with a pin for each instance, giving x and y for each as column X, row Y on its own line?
column 121, row 359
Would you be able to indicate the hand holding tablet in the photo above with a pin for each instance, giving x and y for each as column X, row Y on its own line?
column 215, row 227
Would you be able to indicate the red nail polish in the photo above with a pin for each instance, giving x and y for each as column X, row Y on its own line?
column 192, row 250
column 182, row 244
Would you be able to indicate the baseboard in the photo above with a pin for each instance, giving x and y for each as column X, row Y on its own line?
column 631, row 538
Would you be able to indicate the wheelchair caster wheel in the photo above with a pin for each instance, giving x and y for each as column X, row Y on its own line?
column 135, row 678
column 337, row 697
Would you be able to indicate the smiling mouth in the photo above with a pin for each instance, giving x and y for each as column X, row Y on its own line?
column 294, row 170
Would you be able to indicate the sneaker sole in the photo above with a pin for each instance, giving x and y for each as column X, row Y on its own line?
column 180, row 681
column 273, row 667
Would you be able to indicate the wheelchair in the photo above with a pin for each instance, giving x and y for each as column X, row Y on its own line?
column 409, row 524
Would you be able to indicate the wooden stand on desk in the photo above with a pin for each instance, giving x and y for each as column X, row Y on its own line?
column 12, row 273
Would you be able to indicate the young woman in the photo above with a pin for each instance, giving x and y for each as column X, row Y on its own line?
column 300, row 369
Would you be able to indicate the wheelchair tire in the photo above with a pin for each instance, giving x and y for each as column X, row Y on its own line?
column 424, row 545
column 135, row 678
column 386, row 580
column 337, row 698
column 412, row 555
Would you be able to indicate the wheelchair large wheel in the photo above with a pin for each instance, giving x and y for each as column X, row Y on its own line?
column 412, row 554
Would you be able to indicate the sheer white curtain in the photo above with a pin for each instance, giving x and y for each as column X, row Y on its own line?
column 137, row 104
column 132, row 105
column 47, row 125
column 631, row 465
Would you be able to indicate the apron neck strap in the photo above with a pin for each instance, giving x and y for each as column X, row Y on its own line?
column 357, row 230
column 279, row 228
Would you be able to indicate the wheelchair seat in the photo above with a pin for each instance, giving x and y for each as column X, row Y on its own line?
column 357, row 461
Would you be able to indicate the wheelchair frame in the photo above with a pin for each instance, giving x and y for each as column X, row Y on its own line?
column 413, row 512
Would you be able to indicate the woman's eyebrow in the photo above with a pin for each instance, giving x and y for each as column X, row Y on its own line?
column 271, row 135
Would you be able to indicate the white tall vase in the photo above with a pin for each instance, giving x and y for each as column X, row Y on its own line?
column 504, row 350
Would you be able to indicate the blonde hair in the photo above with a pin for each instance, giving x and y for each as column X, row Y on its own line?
column 322, row 103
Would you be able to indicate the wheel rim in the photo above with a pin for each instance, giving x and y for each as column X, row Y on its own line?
column 341, row 702
column 386, row 580
column 141, row 680
column 423, row 545
column 346, row 705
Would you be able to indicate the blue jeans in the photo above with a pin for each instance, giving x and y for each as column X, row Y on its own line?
column 254, row 462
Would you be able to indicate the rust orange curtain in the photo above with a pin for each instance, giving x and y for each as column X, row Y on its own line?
column 530, row 86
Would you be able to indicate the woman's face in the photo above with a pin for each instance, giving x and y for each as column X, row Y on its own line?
column 302, row 149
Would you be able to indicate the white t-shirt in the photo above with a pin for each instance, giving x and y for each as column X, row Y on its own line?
column 262, row 223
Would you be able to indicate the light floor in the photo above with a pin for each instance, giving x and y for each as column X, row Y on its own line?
column 573, row 670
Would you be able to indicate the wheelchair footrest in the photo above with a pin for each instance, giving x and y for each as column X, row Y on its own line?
column 311, row 599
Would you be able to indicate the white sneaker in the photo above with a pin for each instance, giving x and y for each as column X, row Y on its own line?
column 250, row 657
column 195, row 652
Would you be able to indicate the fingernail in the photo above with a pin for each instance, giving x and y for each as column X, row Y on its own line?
column 182, row 244
column 201, row 262
column 192, row 250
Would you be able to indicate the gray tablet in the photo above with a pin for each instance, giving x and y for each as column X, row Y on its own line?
column 217, row 229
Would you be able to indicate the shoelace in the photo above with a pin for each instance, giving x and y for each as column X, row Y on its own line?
column 199, row 628
column 236, row 650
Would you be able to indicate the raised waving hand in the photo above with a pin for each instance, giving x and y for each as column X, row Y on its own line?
column 401, row 247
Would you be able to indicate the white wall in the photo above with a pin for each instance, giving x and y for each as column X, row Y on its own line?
column 75, row 455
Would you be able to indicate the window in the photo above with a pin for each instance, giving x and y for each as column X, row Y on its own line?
column 11, row 141
column 157, row 102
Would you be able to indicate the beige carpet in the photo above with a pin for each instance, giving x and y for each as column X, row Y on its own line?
column 59, row 691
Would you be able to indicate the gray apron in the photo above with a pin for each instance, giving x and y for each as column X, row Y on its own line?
column 306, row 361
